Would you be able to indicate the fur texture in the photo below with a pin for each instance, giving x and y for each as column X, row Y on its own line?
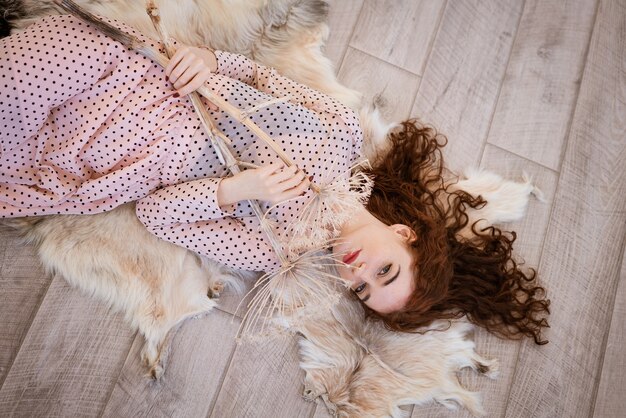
column 507, row 200
column 112, row 257
column 386, row 369
column 10, row 12
column 351, row 363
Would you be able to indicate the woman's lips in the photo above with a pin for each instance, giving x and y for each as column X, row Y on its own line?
column 349, row 258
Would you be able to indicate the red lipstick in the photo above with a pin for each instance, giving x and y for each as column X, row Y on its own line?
column 349, row 258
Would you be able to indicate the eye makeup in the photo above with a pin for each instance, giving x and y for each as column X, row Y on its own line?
column 388, row 282
column 395, row 276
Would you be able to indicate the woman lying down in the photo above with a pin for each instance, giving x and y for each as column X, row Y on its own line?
column 88, row 125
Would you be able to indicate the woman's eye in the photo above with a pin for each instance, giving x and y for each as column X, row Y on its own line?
column 359, row 288
column 385, row 270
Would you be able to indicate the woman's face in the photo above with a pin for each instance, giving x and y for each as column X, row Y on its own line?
column 378, row 263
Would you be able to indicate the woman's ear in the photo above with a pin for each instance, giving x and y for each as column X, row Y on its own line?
column 405, row 232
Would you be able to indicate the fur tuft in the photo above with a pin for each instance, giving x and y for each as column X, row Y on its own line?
column 10, row 10
column 507, row 200
column 375, row 130
column 370, row 379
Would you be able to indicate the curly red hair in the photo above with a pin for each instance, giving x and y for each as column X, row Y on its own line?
column 474, row 276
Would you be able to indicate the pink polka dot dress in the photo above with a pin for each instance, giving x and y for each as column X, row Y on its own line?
column 88, row 125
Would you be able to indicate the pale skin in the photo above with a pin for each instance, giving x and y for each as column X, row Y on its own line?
column 377, row 262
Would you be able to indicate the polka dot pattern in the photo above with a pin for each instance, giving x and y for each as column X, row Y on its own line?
column 88, row 125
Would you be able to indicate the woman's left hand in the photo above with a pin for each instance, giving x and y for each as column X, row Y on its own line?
column 190, row 67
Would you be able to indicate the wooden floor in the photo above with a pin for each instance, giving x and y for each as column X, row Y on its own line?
column 517, row 86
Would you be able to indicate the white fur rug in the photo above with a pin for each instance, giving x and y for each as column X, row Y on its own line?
column 352, row 364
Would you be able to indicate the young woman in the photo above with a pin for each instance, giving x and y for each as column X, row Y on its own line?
column 87, row 125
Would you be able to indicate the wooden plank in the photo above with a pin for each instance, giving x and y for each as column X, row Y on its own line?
column 321, row 411
column 19, row 260
column 199, row 355
column 70, row 358
column 531, row 231
column 264, row 380
column 399, row 32
column 585, row 240
column 393, row 87
column 610, row 401
column 460, row 86
column 540, row 87
column 23, row 283
column 342, row 18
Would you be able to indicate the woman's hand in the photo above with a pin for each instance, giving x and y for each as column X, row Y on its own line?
column 190, row 67
column 273, row 183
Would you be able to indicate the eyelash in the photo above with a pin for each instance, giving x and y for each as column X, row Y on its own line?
column 385, row 270
column 360, row 288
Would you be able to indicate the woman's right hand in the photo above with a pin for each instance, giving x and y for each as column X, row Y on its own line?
column 190, row 67
column 273, row 183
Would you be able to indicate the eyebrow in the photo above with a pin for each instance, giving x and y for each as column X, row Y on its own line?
column 395, row 276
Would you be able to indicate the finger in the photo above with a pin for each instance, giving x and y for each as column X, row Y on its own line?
column 187, row 74
column 197, row 81
column 182, row 66
column 284, row 174
column 272, row 168
column 174, row 61
column 293, row 181
column 300, row 190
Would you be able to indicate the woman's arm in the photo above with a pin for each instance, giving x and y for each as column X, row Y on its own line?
column 191, row 66
column 213, row 198
column 198, row 214
column 237, row 243
column 266, row 79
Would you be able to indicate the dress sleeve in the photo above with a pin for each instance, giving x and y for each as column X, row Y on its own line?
column 182, row 203
column 187, row 214
column 265, row 79
column 270, row 81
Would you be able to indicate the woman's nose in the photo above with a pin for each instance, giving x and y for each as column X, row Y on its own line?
column 358, row 267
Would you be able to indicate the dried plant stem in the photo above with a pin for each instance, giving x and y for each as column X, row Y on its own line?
column 149, row 52
column 247, row 164
column 216, row 137
column 306, row 267
column 246, row 113
column 242, row 117
column 205, row 118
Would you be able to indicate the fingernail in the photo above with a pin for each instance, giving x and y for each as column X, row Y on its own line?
column 310, row 178
column 167, row 78
column 302, row 194
column 176, row 95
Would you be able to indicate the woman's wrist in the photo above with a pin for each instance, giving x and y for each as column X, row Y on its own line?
column 210, row 58
column 227, row 192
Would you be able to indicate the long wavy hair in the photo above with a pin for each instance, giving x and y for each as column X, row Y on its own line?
column 472, row 274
